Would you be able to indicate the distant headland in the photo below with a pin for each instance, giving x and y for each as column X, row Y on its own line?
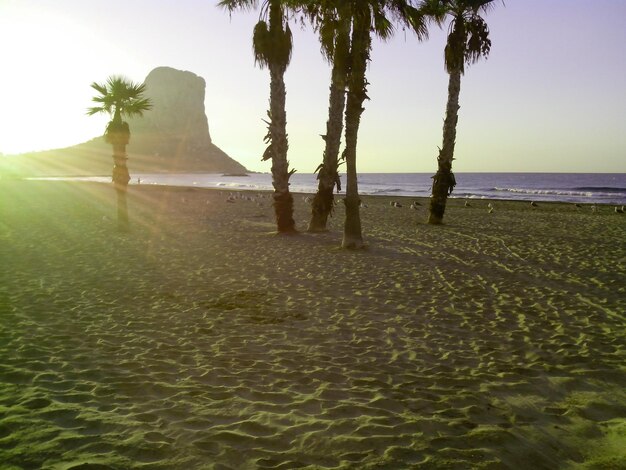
column 172, row 137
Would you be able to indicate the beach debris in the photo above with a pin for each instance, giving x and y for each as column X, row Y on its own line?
column 230, row 198
column 308, row 199
column 490, row 208
column 395, row 204
column 594, row 208
column 578, row 205
column 417, row 203
column 534, row 204
column 467, row 203
column 619, row 210
column 363, row 205
column 414, row 206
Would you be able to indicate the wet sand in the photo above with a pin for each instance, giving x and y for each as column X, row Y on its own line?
column 202, row 339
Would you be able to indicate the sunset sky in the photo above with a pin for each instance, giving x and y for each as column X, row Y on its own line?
column 551, row 96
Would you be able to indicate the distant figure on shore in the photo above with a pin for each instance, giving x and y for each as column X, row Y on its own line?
column 138, row 180
column 467, row 203
column 534, row 204
column 395, row 204
column 490, row 207
column 619, row 210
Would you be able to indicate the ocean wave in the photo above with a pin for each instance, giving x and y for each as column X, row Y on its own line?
column 547, row 192
column 385, row 190
column 236, row 185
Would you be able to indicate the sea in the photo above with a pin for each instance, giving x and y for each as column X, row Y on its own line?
column 594, row 188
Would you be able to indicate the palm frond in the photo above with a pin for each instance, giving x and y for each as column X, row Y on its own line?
column 100, row 88
column 478, row 42
column 434, row 10
column 383, row 28
column 327, row 32
column 261, row 44
column 120, row 97
column 415, row 19
column 468, row 34
column 232, row 5
column 454, row 52
column 137, row 107
column 92, row 111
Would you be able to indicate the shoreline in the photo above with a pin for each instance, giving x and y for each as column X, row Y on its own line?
column 338, row 196
column 200, row 337
column 575, row 188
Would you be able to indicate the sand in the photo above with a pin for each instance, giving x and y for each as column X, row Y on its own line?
column 202, row 339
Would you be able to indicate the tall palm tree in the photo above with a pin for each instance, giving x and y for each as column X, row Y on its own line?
column 468, row 41
column 119, row 97
column 333, row 24
column 367, row 16
column 272, row 45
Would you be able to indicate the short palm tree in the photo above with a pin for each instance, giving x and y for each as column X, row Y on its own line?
column 468, row 41
column 367, row 16
column 272, row 44
column 333, row 24
column 119, row 97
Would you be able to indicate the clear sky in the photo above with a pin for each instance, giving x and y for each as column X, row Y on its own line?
column 551, row 96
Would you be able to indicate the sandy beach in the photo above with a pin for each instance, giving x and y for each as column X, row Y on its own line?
column 203, row 340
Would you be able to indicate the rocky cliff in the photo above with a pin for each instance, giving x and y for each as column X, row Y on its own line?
column 172, row 137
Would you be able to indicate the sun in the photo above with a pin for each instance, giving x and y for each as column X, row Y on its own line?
column 48, row 60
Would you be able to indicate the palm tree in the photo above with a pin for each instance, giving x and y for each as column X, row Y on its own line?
column 272, row 44
column 367, row 16
column 119, row 97
column 468, row 41
column 332, row 21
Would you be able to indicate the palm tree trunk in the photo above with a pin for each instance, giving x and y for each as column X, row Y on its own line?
column 328, row 175
column 120, row 182
column 443, row 180
column 357, row 93
column 283, row 200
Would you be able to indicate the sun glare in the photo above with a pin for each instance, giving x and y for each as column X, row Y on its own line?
column 37, row 55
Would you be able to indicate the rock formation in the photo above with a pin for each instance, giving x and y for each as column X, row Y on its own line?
column 172, row 137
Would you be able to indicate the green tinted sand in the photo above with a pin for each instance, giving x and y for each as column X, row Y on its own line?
column 201, row 340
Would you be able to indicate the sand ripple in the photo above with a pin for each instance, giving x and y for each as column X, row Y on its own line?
column 202, row 340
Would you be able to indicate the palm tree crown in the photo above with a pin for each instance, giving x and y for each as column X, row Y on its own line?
column 468, row 34
column 120, row 97
column 272, row 39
